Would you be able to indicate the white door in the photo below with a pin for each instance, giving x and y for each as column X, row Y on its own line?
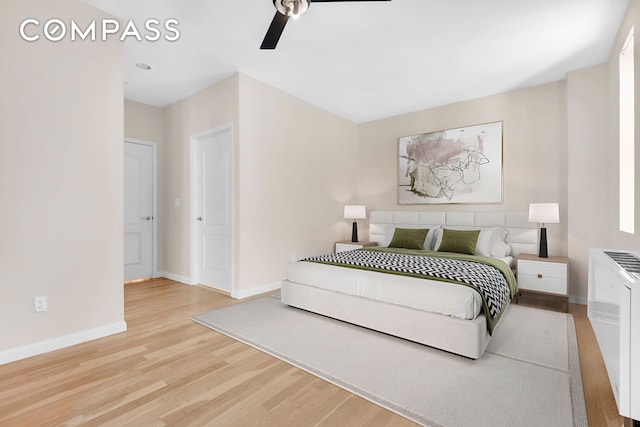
column 138, row 211
column 213, row 214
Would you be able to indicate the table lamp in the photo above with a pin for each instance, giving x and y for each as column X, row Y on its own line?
column 544, row 213
column 355, row 212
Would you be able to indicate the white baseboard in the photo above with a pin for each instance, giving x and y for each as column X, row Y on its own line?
column 19, row 353
column 246, row 293
column 241, row 294
column 175, row 277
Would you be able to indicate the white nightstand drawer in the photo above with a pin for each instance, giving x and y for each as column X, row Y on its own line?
column 545, row 269
column 542, row 276
column 552, row 285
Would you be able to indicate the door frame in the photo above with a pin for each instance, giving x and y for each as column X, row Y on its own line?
column 154, row 205
column 193, row 175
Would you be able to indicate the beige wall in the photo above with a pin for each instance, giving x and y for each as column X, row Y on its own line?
column 560, row 144
column 211, row 107
column 618, row 239
column 588, row 195
column 143, row 122
column 146, row 123
column 61, row 178
column 297, row 169
column 593, row 138
column 534, row 151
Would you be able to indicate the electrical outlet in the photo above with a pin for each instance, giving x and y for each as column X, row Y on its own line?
column 40, row 303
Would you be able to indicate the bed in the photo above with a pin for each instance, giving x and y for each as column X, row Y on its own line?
column 436, row 313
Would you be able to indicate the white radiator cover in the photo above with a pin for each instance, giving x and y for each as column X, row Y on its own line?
column 614, row 311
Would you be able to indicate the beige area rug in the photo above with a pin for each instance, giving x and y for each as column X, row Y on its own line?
column 529, row 375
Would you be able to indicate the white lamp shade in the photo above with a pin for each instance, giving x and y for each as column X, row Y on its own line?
column 544, row 213
column 355, row 212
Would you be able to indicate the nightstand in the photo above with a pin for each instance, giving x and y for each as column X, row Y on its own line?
column 348, row 245
column 544, row 277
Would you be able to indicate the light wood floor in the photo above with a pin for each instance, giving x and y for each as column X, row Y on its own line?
column 167, row 370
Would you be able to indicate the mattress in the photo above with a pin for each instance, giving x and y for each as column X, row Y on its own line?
column 422, row 294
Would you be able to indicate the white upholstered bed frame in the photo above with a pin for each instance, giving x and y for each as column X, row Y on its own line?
column 465, row 337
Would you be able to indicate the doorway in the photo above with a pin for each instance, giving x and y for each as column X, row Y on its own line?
column 212, row 208
column 139, row 210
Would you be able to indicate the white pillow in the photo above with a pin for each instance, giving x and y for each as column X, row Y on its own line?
column 500, row 248
column 491, row 240
column 428, row 241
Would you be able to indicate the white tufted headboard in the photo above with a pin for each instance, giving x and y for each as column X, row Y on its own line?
column 523, row 235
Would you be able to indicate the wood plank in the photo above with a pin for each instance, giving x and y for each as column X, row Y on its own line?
column 168, row 370
column 601, row 405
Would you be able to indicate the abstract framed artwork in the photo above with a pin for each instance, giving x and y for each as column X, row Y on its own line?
column 461, row 165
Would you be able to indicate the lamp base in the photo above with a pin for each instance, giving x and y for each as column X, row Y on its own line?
column 543, row 243
column 354, row 232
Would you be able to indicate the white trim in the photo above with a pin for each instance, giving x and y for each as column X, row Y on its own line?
column 193, row 187
column 154, row 151
column 176, row 278
column 193, row 205
column 30, row 350
column 246, row 293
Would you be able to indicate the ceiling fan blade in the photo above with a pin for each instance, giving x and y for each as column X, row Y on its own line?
column 275, row 31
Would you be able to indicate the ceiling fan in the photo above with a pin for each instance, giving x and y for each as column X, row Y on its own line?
column 285, row 10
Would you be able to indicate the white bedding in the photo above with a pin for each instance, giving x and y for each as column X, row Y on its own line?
column 423, row 294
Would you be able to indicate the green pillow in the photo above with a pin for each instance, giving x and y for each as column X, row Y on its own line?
column 459, row 241
column 409, row 238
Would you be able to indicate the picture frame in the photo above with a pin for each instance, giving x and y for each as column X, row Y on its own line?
column 459, row 165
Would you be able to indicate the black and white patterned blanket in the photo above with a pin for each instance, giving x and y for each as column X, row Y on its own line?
column 486, row 279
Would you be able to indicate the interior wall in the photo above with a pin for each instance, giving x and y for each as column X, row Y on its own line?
column 534, row 152
column 588, row 196
column 146, row 123
column 143, row 122
column 297, row 169
column 61, row 183
column 616, row 238
column 214, row 106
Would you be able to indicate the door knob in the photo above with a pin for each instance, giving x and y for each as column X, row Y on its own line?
column 146, row 218
column 199, row 218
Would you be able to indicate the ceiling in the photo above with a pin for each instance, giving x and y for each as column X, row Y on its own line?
column 368, row 60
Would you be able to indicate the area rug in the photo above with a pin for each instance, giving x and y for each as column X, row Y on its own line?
column 529, row 375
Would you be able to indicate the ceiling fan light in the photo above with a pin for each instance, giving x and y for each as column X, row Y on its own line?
column 292, row 8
